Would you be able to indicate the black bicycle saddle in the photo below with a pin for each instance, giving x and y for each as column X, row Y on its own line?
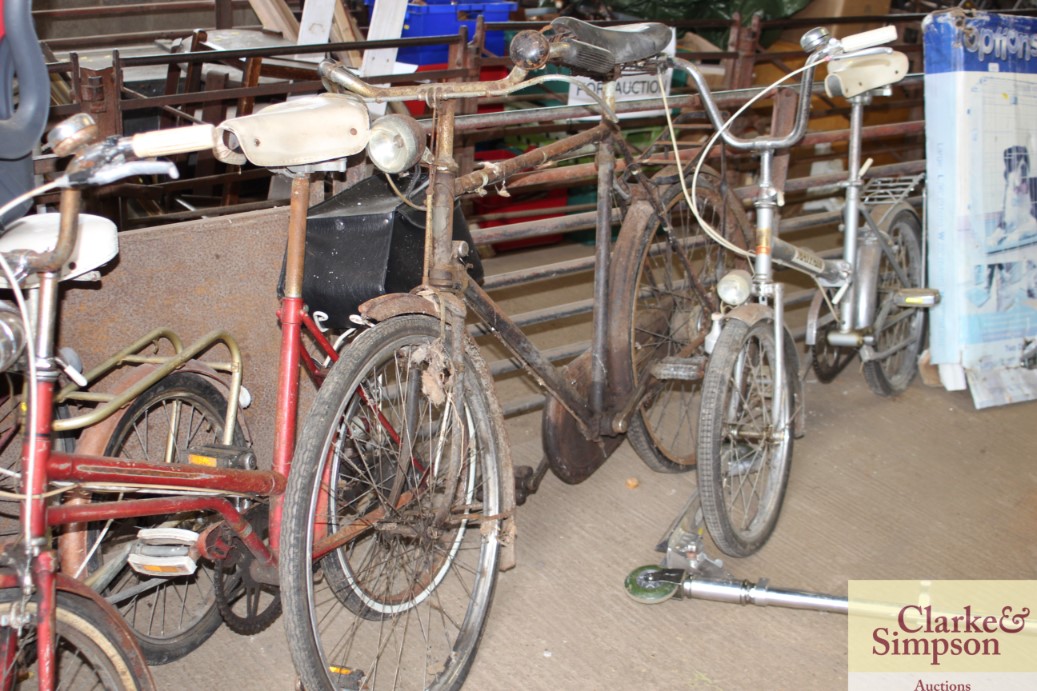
column 627, row 43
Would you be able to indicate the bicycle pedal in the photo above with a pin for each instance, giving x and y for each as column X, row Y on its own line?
column 916, row 297
column 348, row 679
column 164, row 552
column 223, row 456
column 684, row 368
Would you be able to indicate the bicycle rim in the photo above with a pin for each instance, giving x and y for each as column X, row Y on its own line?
column 898, row 329
column 670, row 299
column 404, row 602
column 746, row 451
column 170, row 616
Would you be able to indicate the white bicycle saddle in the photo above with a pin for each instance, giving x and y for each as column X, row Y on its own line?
column 853, row 76
column 306, row 130
column 96, row 244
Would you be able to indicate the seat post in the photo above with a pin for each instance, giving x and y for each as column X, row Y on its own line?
column 293, row 267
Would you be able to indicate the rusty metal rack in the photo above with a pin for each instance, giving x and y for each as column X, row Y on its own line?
column 255, row 75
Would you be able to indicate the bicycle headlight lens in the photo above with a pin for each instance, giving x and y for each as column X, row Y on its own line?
column 735, row 287
column 396, row 143
column 12, row 336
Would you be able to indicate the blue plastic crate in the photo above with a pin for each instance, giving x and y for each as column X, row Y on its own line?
column 446, row 20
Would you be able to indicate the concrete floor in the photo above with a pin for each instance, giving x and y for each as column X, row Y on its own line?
column 919, row 487
column 922, row 486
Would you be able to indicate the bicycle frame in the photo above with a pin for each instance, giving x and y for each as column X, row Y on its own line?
column 203, row 487
column 590, row 419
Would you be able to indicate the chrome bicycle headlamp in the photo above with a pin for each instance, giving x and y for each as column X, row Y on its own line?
column 736, row 287
column 396, row 143
column 12, row 336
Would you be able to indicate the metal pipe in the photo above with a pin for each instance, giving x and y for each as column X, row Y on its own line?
column 605, row 160
column 518, row 343
column 760, row 594
column 121, row 472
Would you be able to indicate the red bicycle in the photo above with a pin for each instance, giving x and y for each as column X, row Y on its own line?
column 160, row 510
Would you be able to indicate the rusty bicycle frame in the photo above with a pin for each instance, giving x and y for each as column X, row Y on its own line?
column 593, row 397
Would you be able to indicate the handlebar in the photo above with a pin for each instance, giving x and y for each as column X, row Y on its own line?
column 102, row 164
column 868, row 39
column 823, row 50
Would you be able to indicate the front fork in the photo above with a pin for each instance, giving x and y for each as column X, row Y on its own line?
column 770, row 292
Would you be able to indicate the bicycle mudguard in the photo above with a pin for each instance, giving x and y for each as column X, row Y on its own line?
column 118, row 630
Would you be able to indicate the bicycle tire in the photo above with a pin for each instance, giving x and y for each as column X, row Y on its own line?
column 744, row 455
column 180, row 613
column 669, row 315
column 369, row 614
column 88, row 655
column 892, row 375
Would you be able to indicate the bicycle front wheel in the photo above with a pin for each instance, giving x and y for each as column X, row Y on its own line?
column 170, row 616
column 666, row 297
column 389, row 550
column 898, row 330
column 745, row 449
column 89, row 656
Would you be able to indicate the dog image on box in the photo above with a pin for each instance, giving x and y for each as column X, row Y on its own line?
column 1018, row 224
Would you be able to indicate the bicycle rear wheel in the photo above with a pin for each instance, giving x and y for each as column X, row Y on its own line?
column 899, row 331
column 745, row 452
column 403, row 601
column 667, row 297
column 89, row 656
column 170, row 616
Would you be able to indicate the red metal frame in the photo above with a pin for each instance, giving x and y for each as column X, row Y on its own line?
column 62, row 467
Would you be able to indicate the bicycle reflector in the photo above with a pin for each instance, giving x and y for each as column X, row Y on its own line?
column 396, row 143
column 735, row 287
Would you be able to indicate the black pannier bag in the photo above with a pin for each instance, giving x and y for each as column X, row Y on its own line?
column 365, row 242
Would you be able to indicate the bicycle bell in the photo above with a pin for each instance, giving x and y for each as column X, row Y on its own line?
column 814, row 39
column 72, row 134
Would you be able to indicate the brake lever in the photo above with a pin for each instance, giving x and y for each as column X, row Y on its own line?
column 109, row 173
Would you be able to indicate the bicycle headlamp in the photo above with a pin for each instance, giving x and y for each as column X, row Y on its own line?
column 735, row 287
column 396, row 143
column 12, row 336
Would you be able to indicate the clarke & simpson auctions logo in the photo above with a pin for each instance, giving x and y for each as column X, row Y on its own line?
column 922, row 633
column 942, row 635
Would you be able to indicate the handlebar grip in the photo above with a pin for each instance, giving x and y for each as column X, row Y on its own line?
column 869, row 39
column 178, row 140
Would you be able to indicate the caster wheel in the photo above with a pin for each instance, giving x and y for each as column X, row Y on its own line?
column 642, row 588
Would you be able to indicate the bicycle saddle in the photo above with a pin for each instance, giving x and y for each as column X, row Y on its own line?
column 627, row 43
column 96, row 244
column 306, row 130
column 854, row 76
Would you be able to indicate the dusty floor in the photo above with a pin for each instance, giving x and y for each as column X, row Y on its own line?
column 919, row 487
column 923, row 486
